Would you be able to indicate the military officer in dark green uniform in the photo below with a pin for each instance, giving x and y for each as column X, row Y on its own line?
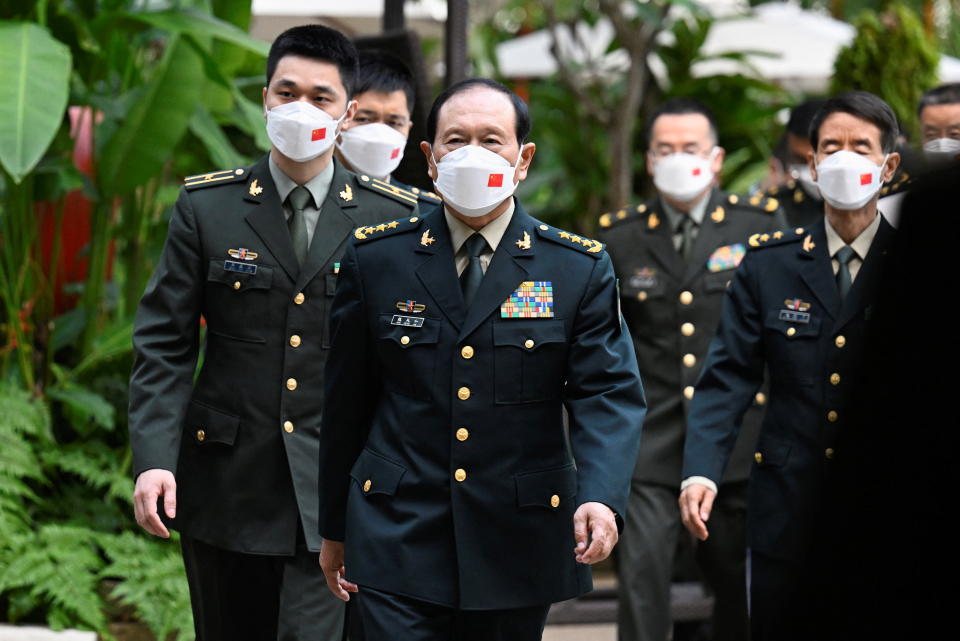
column 373, row 141
column 233, row 455
column 460, row 336
column 674, row 256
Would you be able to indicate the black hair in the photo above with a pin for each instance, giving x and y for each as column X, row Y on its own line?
column 943, row 95
column 385, row 73
column 802, row 115
column 316, row 42
column 522, row 113
column 679, row 107
column 781, row 151
column 863, row 105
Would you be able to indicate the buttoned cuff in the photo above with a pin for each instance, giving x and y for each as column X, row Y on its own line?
column 698, row 480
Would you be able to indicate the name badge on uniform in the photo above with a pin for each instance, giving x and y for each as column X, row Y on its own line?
column 726, row 257
column 532, row 299
column 796, row 311
column 243, row 268
column 407, row 321
column 645, row 278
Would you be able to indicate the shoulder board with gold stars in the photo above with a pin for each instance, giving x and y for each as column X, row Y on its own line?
column 758, row 201
column 380, row 187
column 586, row 245
column 386, row 229
column 900, row 183
column 630, row 212
column 221, row 177
column 774, row 238
column 424, row 195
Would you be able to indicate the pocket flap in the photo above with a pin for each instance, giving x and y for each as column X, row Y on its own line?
column 547, row 488
column 410, row 335
column 772, row 452
column 208, row 425
column 529, row 335
column 718, row 281
column 262, row 279
column 799, row 330
column 375, row 474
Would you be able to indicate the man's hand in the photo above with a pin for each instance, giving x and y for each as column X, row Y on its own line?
column 331, row 562
column 152, row 484
column 595, row 531
column 696, row 502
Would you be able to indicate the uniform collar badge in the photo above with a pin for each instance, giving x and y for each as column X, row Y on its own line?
column 653, row 221
column 255, row 188
column 524, row 243
column 426, row 240
column 718, row 214
column 532, row 299
column 243, row 254
column 347, row 193
column 410, row 306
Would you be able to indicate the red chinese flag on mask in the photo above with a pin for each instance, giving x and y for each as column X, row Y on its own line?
column 866, row 179
column 395, row 153
column 696, row 171
column 318, row 134
column 495, row 180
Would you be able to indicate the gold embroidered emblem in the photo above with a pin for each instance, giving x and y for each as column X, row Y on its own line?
column 347, row 193
column 524, row 243
column 255, row 188
column 426, row 240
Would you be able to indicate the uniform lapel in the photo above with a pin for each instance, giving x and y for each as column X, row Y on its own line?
column 714, row 220
column 334, row 225
column 438, row 271
column 658, row 236
column 265, row 216
column 817, row 272
column 505, row 273
column 864, row 287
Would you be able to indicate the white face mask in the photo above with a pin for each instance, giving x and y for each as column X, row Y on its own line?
column 300, row 131
column 848, row 180
column 474, row 180
column 683, row 176
column 802, row 174
column 941, row 150
column 375, row 149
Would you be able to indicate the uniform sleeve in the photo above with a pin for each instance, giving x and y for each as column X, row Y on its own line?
column 604, row 396
column 731, row 376
column 352, row 380
column 165, row 341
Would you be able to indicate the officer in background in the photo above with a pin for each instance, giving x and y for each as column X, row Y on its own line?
column 800, row 305
column 373, row 141
column 459, row 338
column 675, row 256
column 794, row 186
column 939, row 113
column 255, row 252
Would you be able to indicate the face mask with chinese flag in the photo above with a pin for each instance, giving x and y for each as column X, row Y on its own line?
column 848, row 180
column 300, row 131
column 474, row 180
column 683, row 176
column 375, row 149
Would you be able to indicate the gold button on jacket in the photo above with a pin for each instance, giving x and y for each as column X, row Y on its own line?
column 295, row 341
column 291, row 384
column 460, row 475
column 463, row 434
column 463, row 393
column 201, row 435
column 299, row 298
column 288, row 426
column 554, row 501
column 466, row 351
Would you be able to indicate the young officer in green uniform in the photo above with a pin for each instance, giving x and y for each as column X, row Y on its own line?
column 675, row 256
column 459, row 337
column 232, row 455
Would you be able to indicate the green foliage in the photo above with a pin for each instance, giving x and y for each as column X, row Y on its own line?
column 892, row 57
column 33, row 95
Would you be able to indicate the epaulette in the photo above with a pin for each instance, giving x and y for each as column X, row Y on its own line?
column 626, row 213
column 758, row 201
column 386, row 229
column 393, row 191
column 773, row 239
column 423, row 194
column 221, row 177
column 902, row 184
column 586, row 245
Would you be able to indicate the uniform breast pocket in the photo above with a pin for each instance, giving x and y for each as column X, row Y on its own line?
column 529, row 360
column 718, row 281
column 237, row 302
column 793, row 343
column 408, row 356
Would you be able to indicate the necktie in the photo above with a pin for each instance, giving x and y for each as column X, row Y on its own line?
column 844, row 280
column 297, row 224
column 473, row 274
column 686, row 229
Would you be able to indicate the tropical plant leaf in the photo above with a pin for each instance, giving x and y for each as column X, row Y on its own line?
column 33, row 94
column 221, row 150
column 138, row 149
column 201, row 25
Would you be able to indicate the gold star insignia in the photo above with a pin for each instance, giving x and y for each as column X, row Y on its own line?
column 605, row 220
column 393, row 224
column 564, row 234
column 778, row 234
column 765, row 237
column 575, row 239
column 381, row 227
